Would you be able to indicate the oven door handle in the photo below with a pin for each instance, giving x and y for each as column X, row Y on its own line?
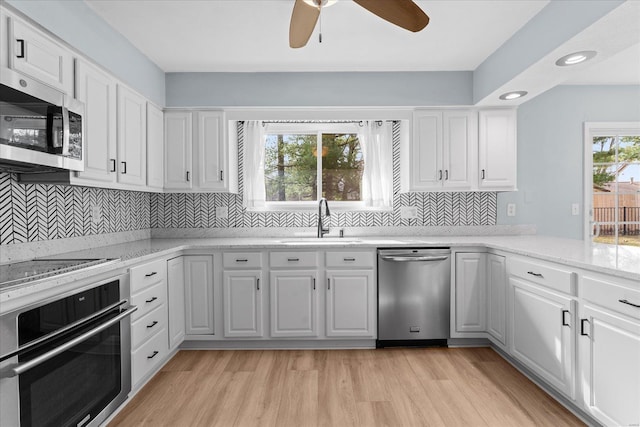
column 14, row 370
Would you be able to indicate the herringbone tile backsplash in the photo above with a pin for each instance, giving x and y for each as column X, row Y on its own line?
column 36, row 212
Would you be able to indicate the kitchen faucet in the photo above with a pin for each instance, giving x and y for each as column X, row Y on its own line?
column 321, row 230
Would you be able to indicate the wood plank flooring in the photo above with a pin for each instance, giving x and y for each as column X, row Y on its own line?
column 388, row 387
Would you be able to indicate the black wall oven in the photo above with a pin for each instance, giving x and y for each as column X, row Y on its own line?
column 66, row 362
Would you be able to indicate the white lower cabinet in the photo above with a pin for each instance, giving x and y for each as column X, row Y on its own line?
column 351, row 303
column 175, row 301
column 470, row 292
column 198, row 282
column 496, row 299
column 541, row 333
column 242, row 293
column 294, row 303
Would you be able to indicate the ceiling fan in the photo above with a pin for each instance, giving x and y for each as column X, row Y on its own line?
column 403, row 13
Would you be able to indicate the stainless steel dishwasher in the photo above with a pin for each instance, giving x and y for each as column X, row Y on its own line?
column 414, row 287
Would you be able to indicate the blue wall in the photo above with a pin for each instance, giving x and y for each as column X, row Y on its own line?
column 75, row 23
column 551, row 153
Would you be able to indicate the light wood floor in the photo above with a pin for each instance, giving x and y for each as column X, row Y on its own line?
column 390, row 387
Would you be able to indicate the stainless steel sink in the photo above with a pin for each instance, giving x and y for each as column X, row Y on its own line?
column 319, row 241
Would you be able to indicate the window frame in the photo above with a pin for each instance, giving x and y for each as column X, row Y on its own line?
column 309, row 128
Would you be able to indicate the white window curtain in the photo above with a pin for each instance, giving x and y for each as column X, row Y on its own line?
column 377, row 178
column 254, row 144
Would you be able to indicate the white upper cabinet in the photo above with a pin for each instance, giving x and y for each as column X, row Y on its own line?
column 426, row 151
column 460, row 142
column 197, row 155
column 35, row 54
column 497, row 149
column 132, row 138
column 155, row 144
column 97, row 90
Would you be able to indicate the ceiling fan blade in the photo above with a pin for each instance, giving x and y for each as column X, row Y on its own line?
column 403, row 13
column 303, row 21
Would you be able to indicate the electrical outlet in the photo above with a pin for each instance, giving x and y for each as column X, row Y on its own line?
column 575, row 209
column 222, row 212
column 96, row 214
column 511, row 209
column 408, row 212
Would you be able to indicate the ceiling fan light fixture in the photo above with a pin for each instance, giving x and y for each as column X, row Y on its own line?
column 320, row 3
column 513, row 95
column 576, row 58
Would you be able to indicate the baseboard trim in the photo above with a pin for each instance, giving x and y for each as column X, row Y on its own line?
column 278, row 345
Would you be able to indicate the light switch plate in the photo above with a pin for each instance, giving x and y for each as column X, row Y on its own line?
column 222, row 212
column 511, row 209
column 408, row 212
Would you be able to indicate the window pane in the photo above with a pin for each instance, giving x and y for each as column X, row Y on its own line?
column 290, row 169
column 342, row 167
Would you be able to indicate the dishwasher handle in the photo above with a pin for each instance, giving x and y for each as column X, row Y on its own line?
column 400, row 258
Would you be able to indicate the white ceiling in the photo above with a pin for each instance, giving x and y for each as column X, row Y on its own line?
column 252, row 36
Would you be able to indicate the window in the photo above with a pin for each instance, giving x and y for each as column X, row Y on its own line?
column 614, row 184
column 292, row 165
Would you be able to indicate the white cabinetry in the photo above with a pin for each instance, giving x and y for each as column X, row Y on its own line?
column 350, row 303
column 470, row 292
column 34, row 54
column 242, row 292
column 198, row 278
column 149, row 347
column 155, row 147
column 609, row 344
column 541, row 318
column 176, row 302
column 197, row 155
column 443, row 151
column 132, row 137
column 497, row 149
column 496, row 299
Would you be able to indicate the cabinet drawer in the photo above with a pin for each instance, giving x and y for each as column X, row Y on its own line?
column 293, row 259
column 147, row 274
column 550, row 275
column 618, row 296
column 149, row 299
column 242, row 260
column 148, row 356
column 146, row 326
column 349, row 259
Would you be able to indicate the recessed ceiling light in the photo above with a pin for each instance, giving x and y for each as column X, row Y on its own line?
column 513, row 95
column 320, row 3
column 576, row 58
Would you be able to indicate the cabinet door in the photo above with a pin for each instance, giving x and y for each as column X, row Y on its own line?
column 294, row 303
column 175, row 300
column 610, row 366
column 242, row 294
column 210, row 152
column 351, row 303
column 426, row 151
column 198, row 282
column 36, row 55
column 97, row 90
column 470, row 292
column 155, row 147
column 497, row 149
column 460, row 142
column 497, row 298
column 541, row 333
column 178, row 173
column 132, row 138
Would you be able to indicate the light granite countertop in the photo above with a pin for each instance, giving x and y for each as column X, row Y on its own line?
column 622, row 262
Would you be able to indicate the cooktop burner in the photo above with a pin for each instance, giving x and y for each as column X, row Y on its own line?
column 27, row 271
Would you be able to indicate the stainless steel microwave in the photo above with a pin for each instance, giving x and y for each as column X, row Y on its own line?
column 40, row 127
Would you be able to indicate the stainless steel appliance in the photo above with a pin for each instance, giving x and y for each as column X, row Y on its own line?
column 66, row 361
column 414, row 287
column 40, row 127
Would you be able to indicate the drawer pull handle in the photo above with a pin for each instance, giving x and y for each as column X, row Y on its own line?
column 293, row 259
column 154, row 354
column 124, row 167
column 151, row 274
column 242, row 260
column 564, row 323
column 329, row 284
column 582, row 328
column 258, row 283
column 21, row 43
column 535, row 274
column 154, row 323
column 349, row 259
column 624, row 301
column 113, row 165
column 151, row 299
